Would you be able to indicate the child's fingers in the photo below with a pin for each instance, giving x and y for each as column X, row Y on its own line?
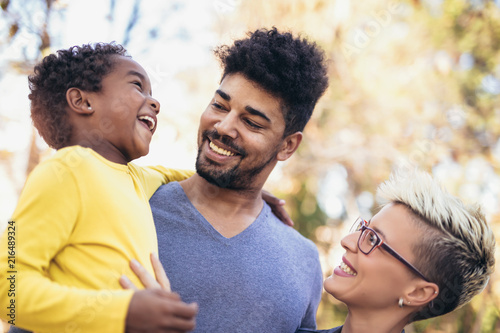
column 161, row 275
column 147, row 280
column 126, row 283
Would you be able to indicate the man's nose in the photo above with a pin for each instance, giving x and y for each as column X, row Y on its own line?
column 227, row 126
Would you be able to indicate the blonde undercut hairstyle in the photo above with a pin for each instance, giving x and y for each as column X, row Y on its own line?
column 457, row 250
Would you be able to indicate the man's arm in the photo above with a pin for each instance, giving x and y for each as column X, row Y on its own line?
column 315, row 291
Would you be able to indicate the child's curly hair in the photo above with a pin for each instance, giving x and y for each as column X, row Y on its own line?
column 80, row 67
column 290, row 68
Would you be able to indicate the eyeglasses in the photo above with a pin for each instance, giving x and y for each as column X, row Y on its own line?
column 369, row 240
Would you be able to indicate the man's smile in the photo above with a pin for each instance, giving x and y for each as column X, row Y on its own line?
column 219, row 150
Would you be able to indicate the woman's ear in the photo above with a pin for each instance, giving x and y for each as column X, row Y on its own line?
column 289, row 146
column 422, row 293
column 78, row 101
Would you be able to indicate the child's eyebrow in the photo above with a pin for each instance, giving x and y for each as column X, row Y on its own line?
column 136, row 74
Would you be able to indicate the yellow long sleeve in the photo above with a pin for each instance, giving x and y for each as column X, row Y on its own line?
column 79, row 221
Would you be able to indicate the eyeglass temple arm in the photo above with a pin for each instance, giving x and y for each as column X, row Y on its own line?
column 410, row 266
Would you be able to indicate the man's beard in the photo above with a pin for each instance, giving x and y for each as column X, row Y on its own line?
column 234, row 178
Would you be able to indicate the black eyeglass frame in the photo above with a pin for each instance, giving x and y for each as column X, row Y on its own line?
column 362, row 225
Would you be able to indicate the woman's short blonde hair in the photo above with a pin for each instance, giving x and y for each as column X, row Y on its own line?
column 457, row 252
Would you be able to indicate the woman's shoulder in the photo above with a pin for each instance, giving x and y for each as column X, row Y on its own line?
column 331, row 330
column 337, row 329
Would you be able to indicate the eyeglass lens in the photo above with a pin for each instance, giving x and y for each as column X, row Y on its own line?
column 358, row 224
column 367, row 241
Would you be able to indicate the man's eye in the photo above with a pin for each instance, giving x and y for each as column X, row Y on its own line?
column 217, row 106
column 253, row 125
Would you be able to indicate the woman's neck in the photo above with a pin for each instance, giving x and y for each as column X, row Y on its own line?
column 373, row 322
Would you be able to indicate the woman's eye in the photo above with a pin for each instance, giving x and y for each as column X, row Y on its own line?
column 137, row 83
column 372, row 239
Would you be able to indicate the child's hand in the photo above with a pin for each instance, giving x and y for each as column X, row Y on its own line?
column 277, row 207
column 147, row 280
column 156, row 309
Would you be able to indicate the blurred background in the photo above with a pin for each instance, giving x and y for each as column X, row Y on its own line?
column 412, row 84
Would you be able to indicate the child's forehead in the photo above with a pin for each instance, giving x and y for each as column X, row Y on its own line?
column 126, row 66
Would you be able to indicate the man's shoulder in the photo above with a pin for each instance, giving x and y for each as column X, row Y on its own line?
column 287, row 233
column 332, row 330
column 169, row 189
column 168, row 197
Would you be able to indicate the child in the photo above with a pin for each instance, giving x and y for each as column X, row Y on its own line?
column 84, row 213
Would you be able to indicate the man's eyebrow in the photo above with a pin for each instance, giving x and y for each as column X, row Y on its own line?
column 223, row 95
column 249, row 109
column 258, row 113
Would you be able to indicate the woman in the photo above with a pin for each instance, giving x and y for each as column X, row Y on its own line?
column 423, row 255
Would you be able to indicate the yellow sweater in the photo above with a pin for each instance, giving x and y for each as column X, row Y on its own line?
column 79, row 221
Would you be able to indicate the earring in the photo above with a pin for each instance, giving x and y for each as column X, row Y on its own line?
column 401, row 302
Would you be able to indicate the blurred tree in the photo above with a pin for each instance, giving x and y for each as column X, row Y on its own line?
column 27, row 35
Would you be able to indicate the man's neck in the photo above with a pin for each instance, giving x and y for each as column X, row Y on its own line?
column 229, row 211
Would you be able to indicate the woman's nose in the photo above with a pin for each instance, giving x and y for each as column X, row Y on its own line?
column 350, row 242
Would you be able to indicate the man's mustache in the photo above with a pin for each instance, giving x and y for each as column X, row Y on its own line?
column 213, row 135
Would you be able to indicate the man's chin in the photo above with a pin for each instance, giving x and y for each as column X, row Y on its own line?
column 222, row 180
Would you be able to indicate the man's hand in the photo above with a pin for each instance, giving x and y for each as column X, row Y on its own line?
column 277, row 207
column 155, row 309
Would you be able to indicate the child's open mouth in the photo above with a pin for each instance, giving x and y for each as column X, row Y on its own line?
column 149, row 121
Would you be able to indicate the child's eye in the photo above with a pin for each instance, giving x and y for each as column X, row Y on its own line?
column 137, row 83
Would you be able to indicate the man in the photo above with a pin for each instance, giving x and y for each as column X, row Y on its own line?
column 219, row 242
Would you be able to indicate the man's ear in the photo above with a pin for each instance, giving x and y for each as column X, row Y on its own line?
column 422, row 293
column 289, row 146
column 78, row 102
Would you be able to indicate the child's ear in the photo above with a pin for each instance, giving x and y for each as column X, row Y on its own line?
column 290, row 145
column 78, row 102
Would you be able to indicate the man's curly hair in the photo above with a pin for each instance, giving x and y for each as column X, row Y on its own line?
column 80, row 67
column 290, row 68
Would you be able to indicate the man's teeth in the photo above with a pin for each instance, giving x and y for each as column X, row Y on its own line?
column 219, row 150
column 347, row 269
column 149, row 120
